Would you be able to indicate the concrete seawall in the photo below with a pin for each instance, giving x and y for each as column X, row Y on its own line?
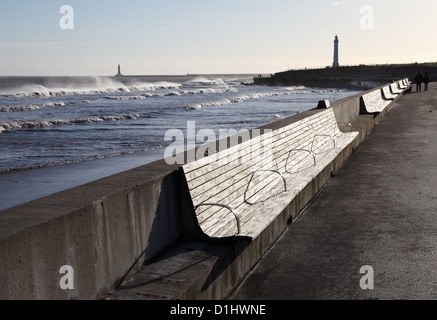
column 113, row 227
column 99, row 229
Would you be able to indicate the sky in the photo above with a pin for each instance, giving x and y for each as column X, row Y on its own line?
column 173, row 37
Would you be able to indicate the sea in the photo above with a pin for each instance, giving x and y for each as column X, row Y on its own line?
column 53, row 121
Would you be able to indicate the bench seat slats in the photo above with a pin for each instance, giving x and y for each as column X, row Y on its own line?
column 268, row 210
column 258, row 178
column 249, row 195
column 256, row 191
column 375, row 102
column 238, row 177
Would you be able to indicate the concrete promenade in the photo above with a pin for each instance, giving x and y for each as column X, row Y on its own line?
column 380, row 210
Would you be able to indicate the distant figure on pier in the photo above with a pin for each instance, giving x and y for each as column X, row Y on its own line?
column 426, row 81
column 418, row 79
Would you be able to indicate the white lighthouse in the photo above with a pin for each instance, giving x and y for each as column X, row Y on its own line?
column 336, row 63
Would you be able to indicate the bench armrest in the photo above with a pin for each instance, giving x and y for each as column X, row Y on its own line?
column 263, row 170
column 223, row 206
column 322, row 135
column 299, row 150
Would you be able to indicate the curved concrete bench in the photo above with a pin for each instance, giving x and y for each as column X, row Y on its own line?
column 401, row 85
column 241, row 198
column 387, row 93
column 405, row 86
column 374, row 102
column 395, row 89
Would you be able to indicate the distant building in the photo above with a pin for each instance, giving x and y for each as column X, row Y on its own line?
column 336, row 64
column 119, row 72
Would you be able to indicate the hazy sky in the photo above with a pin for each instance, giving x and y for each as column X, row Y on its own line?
column 211, row 36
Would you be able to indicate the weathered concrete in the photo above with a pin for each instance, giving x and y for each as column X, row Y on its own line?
column 212, row 271
column 110, row 228
column 380, row 210
column 99, row 229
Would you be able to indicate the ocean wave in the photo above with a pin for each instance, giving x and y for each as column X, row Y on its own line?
column 31, row 107
column 243, row 98
column 126, row 97
column 208, row 82
column 292, row 88
column 71, row 161
column 170, row 94
column 35, row 124
column 101, row 86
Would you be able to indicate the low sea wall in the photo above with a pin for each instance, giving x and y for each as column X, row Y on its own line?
column 109, row 228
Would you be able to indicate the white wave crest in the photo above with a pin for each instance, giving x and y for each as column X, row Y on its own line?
column 170, row 94
column 33, row 124
column 251, row 96
column 100, row 86
column 32, row 107
column 205, row 81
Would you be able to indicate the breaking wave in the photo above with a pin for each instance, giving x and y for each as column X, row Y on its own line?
column 99, row 86
column 169, row 94
column 207, row 82
column 31, row 107
column 34, row 124
column 253, row 96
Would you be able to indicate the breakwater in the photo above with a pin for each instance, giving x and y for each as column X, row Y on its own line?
column 364, row 77
column 110, row 229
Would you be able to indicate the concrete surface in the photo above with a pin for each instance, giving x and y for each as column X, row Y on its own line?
column 108, row 229
column 379, row 210
column 99, row 229
column 199, row 271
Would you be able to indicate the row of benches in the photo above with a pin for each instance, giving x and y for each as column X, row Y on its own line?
column 377, row 100
column 239, row 191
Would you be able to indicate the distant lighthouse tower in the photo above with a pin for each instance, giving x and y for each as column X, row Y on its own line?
column 336, row 64
column 119, row 72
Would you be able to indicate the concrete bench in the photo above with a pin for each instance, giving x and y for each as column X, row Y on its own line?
column 395, row 88
column 387, row 93
column 374, row 102
column 401, row 85
column 405, row 85
column 240, row 198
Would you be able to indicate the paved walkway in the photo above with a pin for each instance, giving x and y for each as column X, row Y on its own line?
column 379, row 210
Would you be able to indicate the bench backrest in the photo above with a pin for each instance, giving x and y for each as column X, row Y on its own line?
column 394, row 88
column 401, row 85
column 374, row 102
column 387, row 93
column 222, row 184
